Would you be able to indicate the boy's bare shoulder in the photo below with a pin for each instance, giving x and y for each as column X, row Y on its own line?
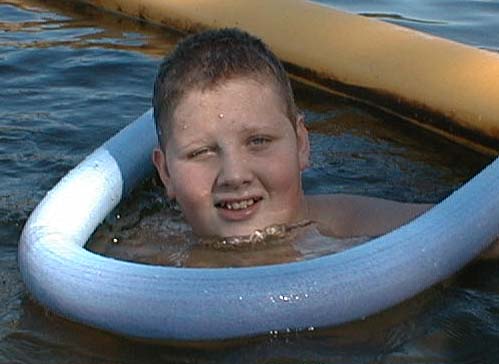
column 346, row 215
column 352, row 215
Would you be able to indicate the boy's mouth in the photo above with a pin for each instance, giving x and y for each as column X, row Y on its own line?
column 237, row 204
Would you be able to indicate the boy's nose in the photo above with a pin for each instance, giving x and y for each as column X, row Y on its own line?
column 234, row 172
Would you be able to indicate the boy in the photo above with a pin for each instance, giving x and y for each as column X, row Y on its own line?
column 233, row 145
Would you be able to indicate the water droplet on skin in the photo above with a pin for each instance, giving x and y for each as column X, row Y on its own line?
column 220, row 116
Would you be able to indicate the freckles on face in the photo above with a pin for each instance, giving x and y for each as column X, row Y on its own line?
column 233, row 159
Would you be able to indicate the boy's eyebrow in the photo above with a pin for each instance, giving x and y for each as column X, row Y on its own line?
column 245, row 129
column 191, row 143
column 250, row 130
column 259, row 128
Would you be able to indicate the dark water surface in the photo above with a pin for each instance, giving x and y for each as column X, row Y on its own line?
column 71, row 76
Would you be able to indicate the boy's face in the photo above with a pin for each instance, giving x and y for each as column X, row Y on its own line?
column 233, row 160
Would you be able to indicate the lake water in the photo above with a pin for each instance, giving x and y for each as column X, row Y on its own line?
column 71, row 76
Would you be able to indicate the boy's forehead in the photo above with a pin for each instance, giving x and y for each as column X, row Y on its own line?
column 195, row 102
column 201, row 95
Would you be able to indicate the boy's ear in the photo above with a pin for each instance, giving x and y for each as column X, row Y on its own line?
column 302, row 142
column 159, row 160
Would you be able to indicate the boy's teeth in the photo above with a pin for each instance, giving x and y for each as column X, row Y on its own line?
column 239, row 205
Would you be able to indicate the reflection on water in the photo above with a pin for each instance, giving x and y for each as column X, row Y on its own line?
column 400, row 18
column 61, row 94
column 71, row 76
column 473, row 22
column 35, row 24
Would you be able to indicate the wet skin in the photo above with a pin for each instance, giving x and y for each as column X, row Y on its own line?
column 232, row 159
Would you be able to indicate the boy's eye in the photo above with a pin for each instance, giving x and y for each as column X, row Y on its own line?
column 259, row 140
column 199, row 152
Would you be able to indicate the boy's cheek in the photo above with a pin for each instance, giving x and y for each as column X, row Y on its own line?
column 284, row 181
column 193, row 184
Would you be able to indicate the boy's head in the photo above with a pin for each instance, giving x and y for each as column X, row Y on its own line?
column 206, row 60
column 232, row 142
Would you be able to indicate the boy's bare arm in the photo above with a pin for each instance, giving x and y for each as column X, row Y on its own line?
column 351, row 215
